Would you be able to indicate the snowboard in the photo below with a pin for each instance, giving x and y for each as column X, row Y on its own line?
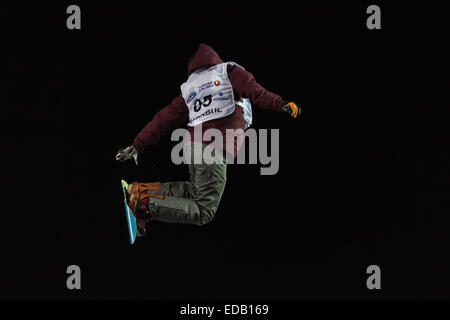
column 131, row 220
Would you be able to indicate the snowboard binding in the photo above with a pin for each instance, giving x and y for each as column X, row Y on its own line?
column 136, row 206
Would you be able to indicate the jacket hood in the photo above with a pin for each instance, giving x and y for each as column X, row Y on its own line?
column 205, row 56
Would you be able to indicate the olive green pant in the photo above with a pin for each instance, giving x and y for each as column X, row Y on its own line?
column 194, row 201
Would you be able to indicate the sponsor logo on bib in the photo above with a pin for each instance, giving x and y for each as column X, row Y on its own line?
column 191, row 96
column 205, row 86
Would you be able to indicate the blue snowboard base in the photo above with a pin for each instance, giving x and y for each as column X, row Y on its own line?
column 131, row 220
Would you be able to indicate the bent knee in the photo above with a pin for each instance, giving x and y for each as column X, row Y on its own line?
column 206, row 216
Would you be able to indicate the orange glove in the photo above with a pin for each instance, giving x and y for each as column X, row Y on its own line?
column 292, row 109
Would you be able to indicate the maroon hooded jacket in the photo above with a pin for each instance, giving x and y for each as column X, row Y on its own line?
column 176, row 114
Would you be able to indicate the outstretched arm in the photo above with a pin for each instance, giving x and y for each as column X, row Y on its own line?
column 167, row 119
column 245, row 85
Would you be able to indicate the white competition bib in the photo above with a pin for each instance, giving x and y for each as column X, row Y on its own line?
column 208, row 94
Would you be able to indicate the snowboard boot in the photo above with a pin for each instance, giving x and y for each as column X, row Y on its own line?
column 139, row 200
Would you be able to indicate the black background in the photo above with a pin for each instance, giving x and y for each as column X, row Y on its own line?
column 354, row 187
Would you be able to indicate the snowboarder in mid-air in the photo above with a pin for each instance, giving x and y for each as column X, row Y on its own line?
column 222, row 86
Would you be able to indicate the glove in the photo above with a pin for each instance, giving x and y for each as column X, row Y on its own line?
column 127, row 153
column 292, row 109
